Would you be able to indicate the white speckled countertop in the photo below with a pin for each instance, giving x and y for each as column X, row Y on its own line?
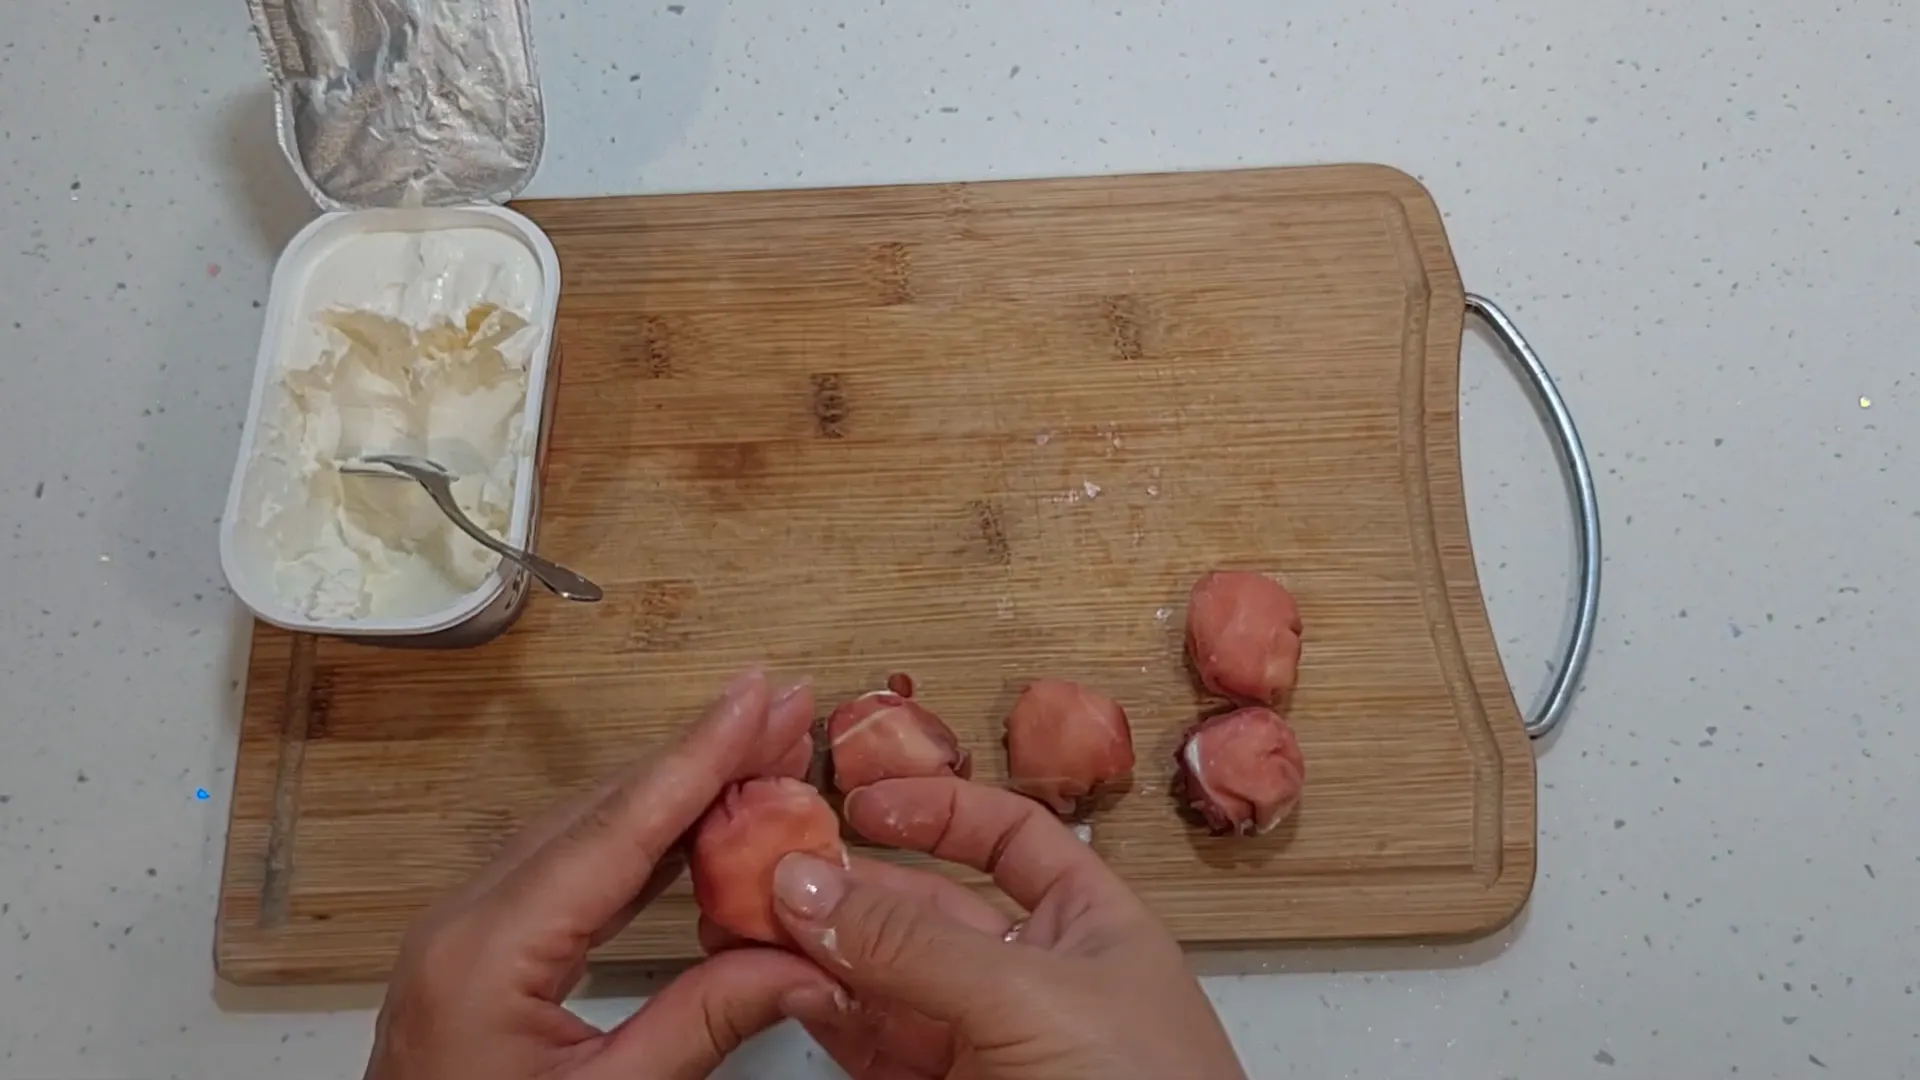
column 1706, row 214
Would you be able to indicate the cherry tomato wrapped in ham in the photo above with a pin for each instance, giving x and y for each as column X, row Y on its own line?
column 887, row 735
column 743, row 837
column 1242, row 771
column 1065, row 743
column 1243, row 633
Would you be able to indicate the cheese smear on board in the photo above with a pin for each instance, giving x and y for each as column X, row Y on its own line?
column 406, row 343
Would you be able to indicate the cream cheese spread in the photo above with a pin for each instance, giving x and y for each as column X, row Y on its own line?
column 402, row 342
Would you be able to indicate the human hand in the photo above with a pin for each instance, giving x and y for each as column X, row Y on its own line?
column 477, row 991
column 1089, row 985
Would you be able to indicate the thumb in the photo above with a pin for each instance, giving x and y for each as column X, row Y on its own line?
column 891, row 945
column 686, row 1030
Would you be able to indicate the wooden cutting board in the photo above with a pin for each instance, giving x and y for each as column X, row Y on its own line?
column 979, row 433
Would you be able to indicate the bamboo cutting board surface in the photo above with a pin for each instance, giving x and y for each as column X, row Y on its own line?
column 979, row 433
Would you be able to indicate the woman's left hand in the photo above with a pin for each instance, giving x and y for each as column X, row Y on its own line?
column 481, row 976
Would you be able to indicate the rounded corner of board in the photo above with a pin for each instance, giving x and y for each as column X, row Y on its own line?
column 1509, row 895
column 233, row 971
column 1398, row 182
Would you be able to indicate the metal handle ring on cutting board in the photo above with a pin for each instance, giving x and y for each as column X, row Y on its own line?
column 1573, row 464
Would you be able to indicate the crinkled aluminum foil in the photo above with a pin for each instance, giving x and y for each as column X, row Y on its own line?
column 404, row 102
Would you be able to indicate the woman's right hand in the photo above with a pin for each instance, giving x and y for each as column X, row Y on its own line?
column 1089, row 985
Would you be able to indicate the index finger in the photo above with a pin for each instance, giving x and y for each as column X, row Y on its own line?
column 1027, row 851
column 583, row 877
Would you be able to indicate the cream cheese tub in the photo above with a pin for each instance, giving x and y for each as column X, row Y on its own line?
column 414, row 316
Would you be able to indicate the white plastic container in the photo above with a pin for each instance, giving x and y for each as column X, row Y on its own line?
column 245, row 555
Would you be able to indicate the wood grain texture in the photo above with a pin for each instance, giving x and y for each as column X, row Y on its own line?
column 978, row 433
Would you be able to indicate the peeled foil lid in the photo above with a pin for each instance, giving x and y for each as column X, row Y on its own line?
column 404, row 102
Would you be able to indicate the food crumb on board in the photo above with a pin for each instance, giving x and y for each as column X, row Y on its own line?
column 1086, row 492
column 1043, row 438
column 1153, row 490
column 1161, row 616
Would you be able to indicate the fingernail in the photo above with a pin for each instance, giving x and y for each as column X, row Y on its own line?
column 742, row 683
column 817, row 1005
column 809, row 887
column 791, row 692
